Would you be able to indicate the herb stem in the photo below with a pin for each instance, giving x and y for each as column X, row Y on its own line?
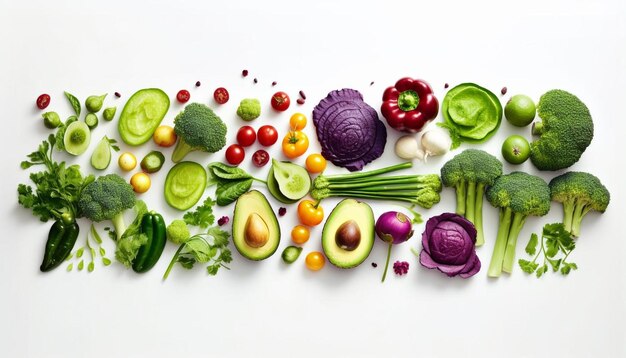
column 173, row 262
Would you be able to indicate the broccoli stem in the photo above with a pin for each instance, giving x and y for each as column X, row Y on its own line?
column 509, row 255
column 181, row 150
column 470, row 201
column 119, row 224
column 461, row 192
column 497, row 258
column 478, row 214
column 580, row 210
column 537, row 128
column 568, row 215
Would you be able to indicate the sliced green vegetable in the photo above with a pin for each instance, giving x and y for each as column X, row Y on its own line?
column 272, row 187
column 185, row 184
column 293, row 180
column 152, row 162
column 101, row 157
column 291, row 254
column 77, row 137
column 142, row 114
column 91, row 120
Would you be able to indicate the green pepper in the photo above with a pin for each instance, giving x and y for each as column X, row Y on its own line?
column 61, row 240
column 153, row 226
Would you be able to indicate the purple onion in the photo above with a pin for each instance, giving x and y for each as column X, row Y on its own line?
column 393, row 228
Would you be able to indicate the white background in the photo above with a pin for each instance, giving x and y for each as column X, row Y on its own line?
column 268, row 309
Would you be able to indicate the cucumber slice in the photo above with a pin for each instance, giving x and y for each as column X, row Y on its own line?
column 293, row 180
column 185, row 184
column 91, row 120
column 77, row 137
column 152, row 162
column 142, row 114
column 272, row 187
column 101, row 156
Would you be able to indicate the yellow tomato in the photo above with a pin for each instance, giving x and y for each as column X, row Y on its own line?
column 295, row 144
column 315, row 163
column 309, row 213
column 127, row 161
column 300, row 234
column 140, row 182
column 297, row 122
column 164, row 136
column 315, row 261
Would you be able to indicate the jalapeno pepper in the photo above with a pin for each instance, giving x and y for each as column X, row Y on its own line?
column 409, row 105
column 153, row 226
column 61, row 240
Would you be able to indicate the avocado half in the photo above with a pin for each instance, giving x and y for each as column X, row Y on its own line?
column 349, row 210
column 249, row 204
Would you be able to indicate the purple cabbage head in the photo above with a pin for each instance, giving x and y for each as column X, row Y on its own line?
column 449, row 246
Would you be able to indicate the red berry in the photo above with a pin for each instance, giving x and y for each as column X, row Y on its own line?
column 43, row 101
column 183, row 96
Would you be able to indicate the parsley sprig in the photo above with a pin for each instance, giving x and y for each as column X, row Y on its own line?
column 555, row 240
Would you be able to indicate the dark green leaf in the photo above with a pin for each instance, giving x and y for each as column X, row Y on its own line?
column 226, row 256
column 213, row 269
column 186, row 262
column 228, row 172
column 229, row 192
column 531, row 247
column 552, row 247
column 74, row 102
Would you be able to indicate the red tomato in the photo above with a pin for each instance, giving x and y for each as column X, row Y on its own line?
column 221, row 95
column 235, row 154
column 246, row 136
column 183, row 96
column 280, row 101
column 260, row 158
column 43, row 101
column 267, row 135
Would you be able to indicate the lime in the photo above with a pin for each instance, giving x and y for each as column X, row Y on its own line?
column 520, row 110
column 515, row 149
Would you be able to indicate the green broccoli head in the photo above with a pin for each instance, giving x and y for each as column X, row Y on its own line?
column 471, row 165
column 523, row 193
column 178, row 232
column 106, row 197
column 565, row 130
column 249, row 109
column 579, row 192
column 198, row 129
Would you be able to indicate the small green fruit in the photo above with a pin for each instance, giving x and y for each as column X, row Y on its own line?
column 520, row 110
column 515, row 149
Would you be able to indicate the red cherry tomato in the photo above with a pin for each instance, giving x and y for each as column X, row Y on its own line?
column 246, row 136
column 221, row 95
column 43, row 101
column 235, row 154
column 280, row 101
column 267, row 135
column 183, row 96
column 260, row 158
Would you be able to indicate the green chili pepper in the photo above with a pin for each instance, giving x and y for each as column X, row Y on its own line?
column 153, row 226
column 61, row 240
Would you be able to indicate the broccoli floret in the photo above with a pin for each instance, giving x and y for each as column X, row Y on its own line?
column 579, row 193
column 470, row 173
column 106, row 198
column 518, row 195
column 565, row 130
column 178, row 232
column 198, row 128
column 249, row 109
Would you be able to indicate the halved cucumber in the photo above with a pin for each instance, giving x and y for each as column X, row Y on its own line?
column 101, row 156
column 293, row 180
column 77, row 137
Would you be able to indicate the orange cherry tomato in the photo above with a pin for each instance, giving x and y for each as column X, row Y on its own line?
column 300, row 234
column 315, row 261
column 310, row 213
column 295, row 144
column 315, row 163
column 297, row 122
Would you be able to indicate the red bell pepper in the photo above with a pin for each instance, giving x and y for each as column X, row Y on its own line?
column 409, row 105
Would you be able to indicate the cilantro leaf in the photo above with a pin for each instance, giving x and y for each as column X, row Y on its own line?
column 531, row 247
column 202, row 216
column 527, row 266
column 555, row 241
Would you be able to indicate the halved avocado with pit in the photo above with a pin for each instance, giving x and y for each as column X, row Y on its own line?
column 256, row 233
column 348, row 235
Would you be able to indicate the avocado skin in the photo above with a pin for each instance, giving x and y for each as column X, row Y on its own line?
column 250, row 203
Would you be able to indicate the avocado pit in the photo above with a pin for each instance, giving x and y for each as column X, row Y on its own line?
column 348, row 235
column 256, row 233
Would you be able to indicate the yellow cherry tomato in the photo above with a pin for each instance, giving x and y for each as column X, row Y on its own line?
column 164, row 136
column 315, row 261
column 295, row 144
column 140, row 182
column 300, row 234
column 310, row 213
column 127, row 161
column 297, row 122
column 315, row 163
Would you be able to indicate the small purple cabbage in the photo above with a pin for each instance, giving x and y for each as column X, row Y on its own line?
column 448, row 245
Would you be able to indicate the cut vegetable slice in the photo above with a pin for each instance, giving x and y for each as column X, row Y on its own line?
column 77, row 137
column 293, row 180
column 142, row 114
column 101, row 156
column 185, row 184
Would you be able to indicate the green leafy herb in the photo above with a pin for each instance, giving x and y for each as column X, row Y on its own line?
column 57, row 188
column 231, row 182
column 202, row 216
column 201, row 249
column 74, row 102
column 132, row 239
column 554, row 240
